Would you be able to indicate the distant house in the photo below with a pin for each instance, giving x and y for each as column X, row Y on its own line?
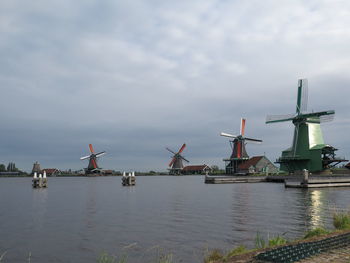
column 257, row 164
column 347, row 166
column 107, row 172
column 196, row 169
column 51, row 171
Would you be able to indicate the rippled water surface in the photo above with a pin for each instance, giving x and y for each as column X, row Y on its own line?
column 76, row 219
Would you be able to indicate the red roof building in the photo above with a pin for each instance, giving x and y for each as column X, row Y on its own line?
column 196, row 169
column 257, row 164
column 51, row 171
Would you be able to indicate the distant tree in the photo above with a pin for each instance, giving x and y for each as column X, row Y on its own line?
column 11, row 167
column 2, row 168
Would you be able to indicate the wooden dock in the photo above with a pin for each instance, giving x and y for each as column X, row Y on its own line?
column 230, row 179
column 319, row 182
column 290, row 181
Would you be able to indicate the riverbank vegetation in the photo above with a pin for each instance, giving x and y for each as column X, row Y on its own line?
column 341, row 222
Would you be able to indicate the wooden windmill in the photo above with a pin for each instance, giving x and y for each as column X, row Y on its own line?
column 176, row 164
column 239, row 153
column 92, row 167
column 308, row 150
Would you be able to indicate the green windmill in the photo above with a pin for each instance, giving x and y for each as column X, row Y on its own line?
column 308, row 150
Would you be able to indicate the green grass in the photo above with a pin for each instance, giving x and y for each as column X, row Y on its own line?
column 236, row 251
column 277, row 241
column 259, row 241
column 213, row 256
column 319, row 231
column 217, row 255
column 341, row 221
column 105, row 258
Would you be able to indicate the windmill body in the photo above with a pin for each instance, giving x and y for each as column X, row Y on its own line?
column 308, row 150
column 239, row 153
column 176, row 163
column 92, row 167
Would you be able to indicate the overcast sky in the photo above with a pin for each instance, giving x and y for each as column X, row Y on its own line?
column 134, row 77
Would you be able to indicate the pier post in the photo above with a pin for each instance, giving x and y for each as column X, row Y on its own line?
column 35, row 180
column 40, row 180
column 305, row 175
column 44, row 183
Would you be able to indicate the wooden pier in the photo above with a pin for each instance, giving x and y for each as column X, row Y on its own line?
column 319, row 182
column 230, row 179
column 301, row 180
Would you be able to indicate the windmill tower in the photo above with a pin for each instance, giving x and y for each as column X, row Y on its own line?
column 239, row 153
column 92, row 167
column 308, row 150
column 176, row 164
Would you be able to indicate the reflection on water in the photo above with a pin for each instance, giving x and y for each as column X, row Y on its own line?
column 316, row 208
column 78, row 218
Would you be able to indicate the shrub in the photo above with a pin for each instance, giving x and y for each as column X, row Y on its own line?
column 236, row 251
column 277, row 241
column 319, row 231
column 341, row 221
column 105, row 258
column 259, row 241
column 213, row 256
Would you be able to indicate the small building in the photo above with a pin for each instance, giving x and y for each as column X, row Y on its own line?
column 51, row 171
column 107, row 172
column 196, row 169
column 257, row 164
column 347, row 166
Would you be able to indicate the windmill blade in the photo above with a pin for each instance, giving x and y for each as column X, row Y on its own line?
column 94, row 163
column 172, row 162
column 85, row 157
column 327, row 118
column 316, row 114
column 228, row 135
column 279, row 118
column 304, row 95
column 182, row 148
column 257, row 141
column 100, row 154
column 242, row 126
column 183, row 158
column 170, row 150
column 91, row 149
column 302, row 85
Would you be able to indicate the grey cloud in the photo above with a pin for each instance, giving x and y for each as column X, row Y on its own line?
column 134, row 77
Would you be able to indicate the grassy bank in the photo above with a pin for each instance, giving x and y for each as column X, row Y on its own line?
column 341, row 223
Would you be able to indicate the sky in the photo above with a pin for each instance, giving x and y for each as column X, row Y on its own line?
column 133, row 77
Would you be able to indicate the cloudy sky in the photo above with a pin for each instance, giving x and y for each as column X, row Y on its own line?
column 132, row 77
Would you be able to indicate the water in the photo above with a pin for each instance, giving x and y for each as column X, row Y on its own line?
column 76, row 219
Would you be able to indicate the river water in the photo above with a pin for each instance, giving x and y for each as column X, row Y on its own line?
column 76, row 219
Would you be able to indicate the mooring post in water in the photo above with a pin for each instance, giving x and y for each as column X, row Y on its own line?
column 40, row 180
column 44, row 184
column 35, row 180
column 129, row 179
column 305, row 177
